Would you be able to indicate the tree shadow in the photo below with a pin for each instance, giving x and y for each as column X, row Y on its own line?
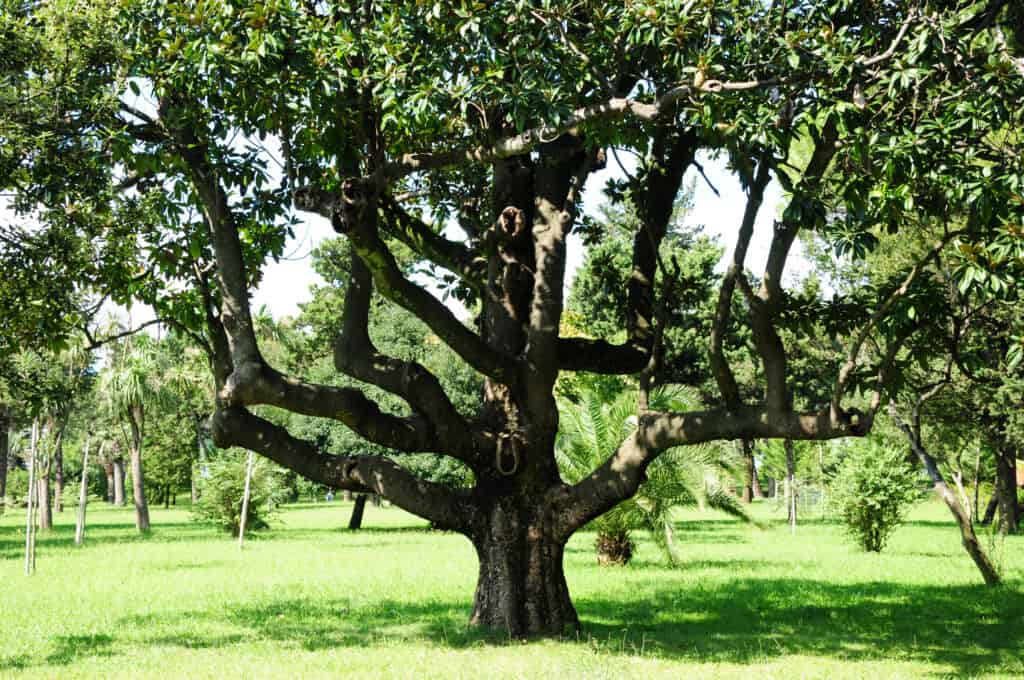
column 12, row 539
column 970, row 629
column 68, row 648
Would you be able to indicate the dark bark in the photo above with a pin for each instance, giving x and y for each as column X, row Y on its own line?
column 135, row 419
column 4, row 448
column 749, row 472
column 521, row 587
column 355, row 522
column 990, row 509
column 1006, row 491
column 119, row 482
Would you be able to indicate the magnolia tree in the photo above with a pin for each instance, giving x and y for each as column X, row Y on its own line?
column 465, row 133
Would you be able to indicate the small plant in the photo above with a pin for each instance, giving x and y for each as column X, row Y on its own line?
column 872, row 492
column 222, row 488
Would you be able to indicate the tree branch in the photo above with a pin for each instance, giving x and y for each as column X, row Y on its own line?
column 445, row 507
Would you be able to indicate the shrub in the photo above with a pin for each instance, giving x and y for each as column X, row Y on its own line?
column 222, row 486
column 872, row 492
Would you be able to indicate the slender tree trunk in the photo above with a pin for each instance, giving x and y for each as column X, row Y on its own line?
column 356, row 520
column 963, row 520
column 4, row 452
column 138, row 481
column 58, row 474
column 790, row 484
column 990, row 509
column 977, row 482
column 83, row 496
column 119, row 482
column 45, row 508
column 346, row 495
column 194, row 496
column 1006, row 491
column 30, row 525
column 749, row 472
column 245, row 501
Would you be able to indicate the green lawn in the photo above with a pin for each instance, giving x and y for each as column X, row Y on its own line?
column 310, row 599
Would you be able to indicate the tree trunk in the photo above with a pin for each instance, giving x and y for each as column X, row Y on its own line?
column 1006, row 491
column 138, row 481
column 83, row 496
column 346, row 495
column 4, row 446
column 119, row 482
column 58, row 474
column 521, row 587
column 790, row 484
column 749, row 472
column 990, row 509
column 43, row 498
column 356, row 520
column 977, row 482
column 967, row 535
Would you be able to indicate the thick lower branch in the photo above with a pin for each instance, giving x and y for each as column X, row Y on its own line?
column 446, row 508
column 257, row 383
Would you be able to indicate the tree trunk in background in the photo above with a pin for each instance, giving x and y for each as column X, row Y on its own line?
column 119, row 482
column 346, row 495
column 356, row 520
column 195, row 489
column 58, row 474
column 83, row 496
column 790, row 484
column 990, row 509
column 43, row 498
column 977, row 481
column 108, row 468
column 749, row 472
column 167, row 497
column 4, row 446
column 138, row 489
column 1006, row 491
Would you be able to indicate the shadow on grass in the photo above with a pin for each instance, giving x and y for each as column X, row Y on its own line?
column 970, row 630
column 12, row 539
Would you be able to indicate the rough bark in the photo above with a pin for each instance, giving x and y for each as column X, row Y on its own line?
column 138, row 481
column 119, row 482
column 355, row 522
column 521, row 586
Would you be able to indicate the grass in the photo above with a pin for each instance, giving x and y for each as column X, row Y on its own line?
column 310, row 599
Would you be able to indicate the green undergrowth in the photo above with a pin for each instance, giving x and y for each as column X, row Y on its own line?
column 310, row 599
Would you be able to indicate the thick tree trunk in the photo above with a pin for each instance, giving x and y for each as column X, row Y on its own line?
column 790, row 484
column 138, row 481
column 521, row 588
column 58, row 475
column 119, row 482
column 356, row 520
column 1006, row 491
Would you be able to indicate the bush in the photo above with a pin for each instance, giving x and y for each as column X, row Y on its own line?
column 872, row 492
column 222, row 485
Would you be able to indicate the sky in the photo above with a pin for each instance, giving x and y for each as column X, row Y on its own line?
column 286, row 283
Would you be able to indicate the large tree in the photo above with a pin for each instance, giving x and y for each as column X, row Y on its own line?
column 467, row 132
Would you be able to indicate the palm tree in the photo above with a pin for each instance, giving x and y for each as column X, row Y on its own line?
column 593, row 428
column 129, row 387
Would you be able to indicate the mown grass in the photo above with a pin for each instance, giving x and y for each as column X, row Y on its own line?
column 310, row 599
